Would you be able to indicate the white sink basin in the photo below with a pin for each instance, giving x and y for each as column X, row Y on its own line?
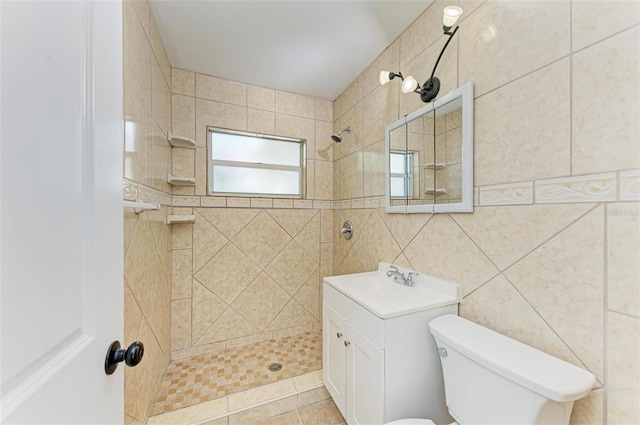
column 385, row 298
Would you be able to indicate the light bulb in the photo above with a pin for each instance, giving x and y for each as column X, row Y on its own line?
column 451, row 15
column 384, row 77
column 409, row 84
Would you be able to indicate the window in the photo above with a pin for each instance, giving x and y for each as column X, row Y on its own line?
column 247, row 164
column 401, row 174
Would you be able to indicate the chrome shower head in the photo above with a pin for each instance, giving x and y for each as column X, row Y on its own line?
column 336, row 137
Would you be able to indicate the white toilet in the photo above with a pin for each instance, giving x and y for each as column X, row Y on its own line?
column 491, row 379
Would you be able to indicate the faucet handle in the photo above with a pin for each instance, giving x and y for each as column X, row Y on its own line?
column 347, row 230
column 393, row 268
column 411, row 275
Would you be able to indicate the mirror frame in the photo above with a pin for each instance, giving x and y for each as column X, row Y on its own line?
column 464, row 92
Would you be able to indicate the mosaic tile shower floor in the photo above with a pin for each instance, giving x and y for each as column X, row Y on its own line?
column 210, row 376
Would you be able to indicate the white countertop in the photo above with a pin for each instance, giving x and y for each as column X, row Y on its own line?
column 385, row 298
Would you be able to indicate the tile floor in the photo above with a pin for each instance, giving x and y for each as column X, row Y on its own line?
column 322, row 413
column 211, row 376
column 302, row 400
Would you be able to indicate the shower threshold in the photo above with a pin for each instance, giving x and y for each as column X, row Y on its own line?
column 252, row 405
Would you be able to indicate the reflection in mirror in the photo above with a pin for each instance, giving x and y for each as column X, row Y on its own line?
column 429, row 157
column 446, row 171
column 397, row 163
column 404, row 168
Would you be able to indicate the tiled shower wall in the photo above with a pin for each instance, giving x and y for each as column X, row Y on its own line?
column 249, row 269
column 147, row 239
column 550, row 255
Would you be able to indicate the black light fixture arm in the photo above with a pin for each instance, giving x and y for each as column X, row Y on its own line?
column 431, row 87
column 450, row 34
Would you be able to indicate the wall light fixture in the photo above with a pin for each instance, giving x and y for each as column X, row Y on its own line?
column 431, row 87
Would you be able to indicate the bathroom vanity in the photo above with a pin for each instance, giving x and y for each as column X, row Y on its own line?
column 380, row 362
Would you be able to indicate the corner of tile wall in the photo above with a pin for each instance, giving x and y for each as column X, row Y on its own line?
column 148, row 239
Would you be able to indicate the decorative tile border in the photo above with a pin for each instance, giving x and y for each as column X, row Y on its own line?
column 224, row 202
column 372, row 203
column 586, row 188
column 132, row 191
column 630, row 185
column 594, row 188
column 322, row 205
column 357, row 203
column 261, row 203
column 217, row 202
column 345, row 204
column 161, row 197
column 507, row 194
column 186, row 201
column 283, row 203
column 303, row 203
column 129, row 190
column 238, row 202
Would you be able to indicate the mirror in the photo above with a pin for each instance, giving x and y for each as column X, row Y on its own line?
column 429, row 157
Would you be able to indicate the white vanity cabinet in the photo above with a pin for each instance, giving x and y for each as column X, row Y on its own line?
column 379, row 358
column 353, row 364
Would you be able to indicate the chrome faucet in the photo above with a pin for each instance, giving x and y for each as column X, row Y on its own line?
column 401, row 278
column 410, row 281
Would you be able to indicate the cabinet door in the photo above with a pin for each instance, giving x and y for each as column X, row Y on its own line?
column 365, row 380
column 334, row 357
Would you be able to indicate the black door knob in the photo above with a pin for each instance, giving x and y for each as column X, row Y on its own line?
column 131, row 356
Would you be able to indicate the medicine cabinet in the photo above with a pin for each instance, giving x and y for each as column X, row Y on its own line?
column 429, row 157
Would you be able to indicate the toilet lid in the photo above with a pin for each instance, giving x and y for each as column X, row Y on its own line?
column 411, row 421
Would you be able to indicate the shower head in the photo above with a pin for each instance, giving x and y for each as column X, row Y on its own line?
column 336, row 137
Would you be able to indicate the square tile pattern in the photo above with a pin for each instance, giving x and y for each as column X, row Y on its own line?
column 210, row 376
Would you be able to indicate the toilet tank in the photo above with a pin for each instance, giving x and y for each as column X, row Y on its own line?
column 492, row 379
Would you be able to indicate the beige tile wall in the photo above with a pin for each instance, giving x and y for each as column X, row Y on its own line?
column 551, row 254
column 200, row 100
column 147, row 239
column 249, row 268
column 244, row 275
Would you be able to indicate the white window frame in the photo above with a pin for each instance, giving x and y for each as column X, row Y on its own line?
column 212, row 162
column 407, row 177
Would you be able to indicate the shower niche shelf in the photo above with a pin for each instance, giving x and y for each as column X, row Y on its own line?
column 181, row 141
column 141, row 206
column 438, row 191
column 180, row 219
column 180, row 181
column 436, row 166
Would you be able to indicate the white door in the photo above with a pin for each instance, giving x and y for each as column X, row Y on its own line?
column 333, row 366
column 365, row 380
column 60, row 210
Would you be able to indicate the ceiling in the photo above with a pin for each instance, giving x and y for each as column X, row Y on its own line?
column 314, row 48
